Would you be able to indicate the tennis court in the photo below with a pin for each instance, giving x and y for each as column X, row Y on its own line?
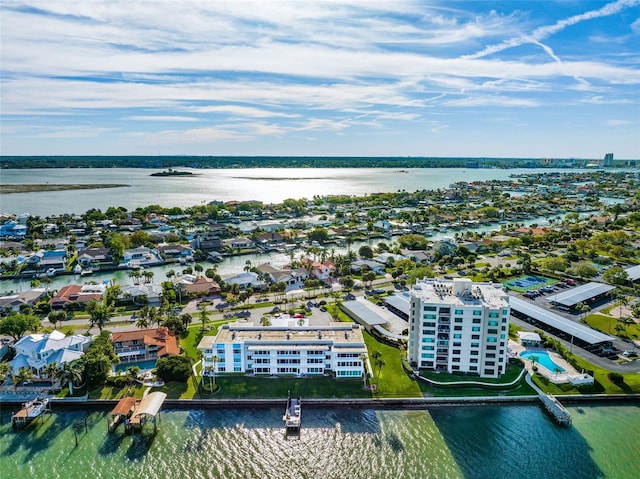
column 528, row 282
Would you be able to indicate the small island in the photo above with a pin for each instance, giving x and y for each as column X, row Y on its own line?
column 172, row 172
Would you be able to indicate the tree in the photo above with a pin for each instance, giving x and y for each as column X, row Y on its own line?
column 204, row 316
column 142, row 322
column 615, row 275
column 5, row 369
column 186, row 319
column 174, row 368
column 584, row 309
column 51, row 370
column 99, row 314
column 16, row 324
column 265, row 321
column 57, row 316
column 132, row 372
column 71, row 373
column 25, row 375
column 365, row 251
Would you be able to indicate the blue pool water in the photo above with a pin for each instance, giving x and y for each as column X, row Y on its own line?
column 543, row 360
column 143, row 365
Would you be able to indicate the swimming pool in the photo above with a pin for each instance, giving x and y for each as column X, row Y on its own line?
column 544, row 360
column 143, row 365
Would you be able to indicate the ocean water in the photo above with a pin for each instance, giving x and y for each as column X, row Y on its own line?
column 489, row 442
column 269, row 185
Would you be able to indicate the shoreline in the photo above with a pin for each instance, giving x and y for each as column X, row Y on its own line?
column 362, row 403
column 37, row 188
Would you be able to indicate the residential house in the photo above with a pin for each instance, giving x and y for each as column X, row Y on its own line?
column 141, row 256
column 15, row 301
column 36, row 351
column 13, row 229
column 319, row 270
column 238, row 243
column 177, row 251
column 207, row 243
column 95, row 257
column 247, row 279
column 200, row 286
column 145, row 344
column 360, row 265
column 419, row 256
column 150, row 294
column 74, row 293
column 292, row 278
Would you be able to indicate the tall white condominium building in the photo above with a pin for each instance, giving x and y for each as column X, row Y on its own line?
column 459, row 326
column 276, row 350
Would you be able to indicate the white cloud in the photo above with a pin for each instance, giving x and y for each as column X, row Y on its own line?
column 619, row 122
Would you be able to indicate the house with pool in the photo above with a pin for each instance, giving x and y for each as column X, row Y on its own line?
column 143, row 348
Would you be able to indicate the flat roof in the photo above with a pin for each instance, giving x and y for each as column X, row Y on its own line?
column 556, row 321
column 363, row 313
column 581, row 293
column 402, row 302
column 633, row 272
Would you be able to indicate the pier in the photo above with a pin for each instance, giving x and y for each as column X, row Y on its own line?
column 30, row 411
column 292, row 414
column 551, row 404
column 147, row 411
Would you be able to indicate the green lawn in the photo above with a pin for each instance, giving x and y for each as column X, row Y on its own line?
column 389, row 377
column 258, row 387
column 606, row 324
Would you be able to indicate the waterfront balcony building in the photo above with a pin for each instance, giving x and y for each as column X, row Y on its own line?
column 459, row 326
column 337, row 349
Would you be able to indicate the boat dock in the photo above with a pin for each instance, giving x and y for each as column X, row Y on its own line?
column 293, row 414
column 557, row 410
column 31, row 410
column 122, row 412
column 146, row 411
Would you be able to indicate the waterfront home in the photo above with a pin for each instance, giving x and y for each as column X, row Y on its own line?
column 74, row 293
column 176, row 251
column 90, row 258
column 12, row 229
column 286, row 349
column 384, row 258
column 15, row 301
column 207, row 243
column 36, row 351
column 141, row 257
column 238, row 243
column 145, row 344
column 48, row 259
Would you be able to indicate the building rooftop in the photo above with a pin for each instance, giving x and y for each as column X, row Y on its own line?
column 460, row 291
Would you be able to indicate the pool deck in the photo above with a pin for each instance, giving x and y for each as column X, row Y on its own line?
column 559, row 378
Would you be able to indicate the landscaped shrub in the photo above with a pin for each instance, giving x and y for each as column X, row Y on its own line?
column 615, row 378
column 174, row 368
column 118, row 381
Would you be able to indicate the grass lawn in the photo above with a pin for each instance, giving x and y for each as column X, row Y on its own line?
column 606, row 324
column 512, row 372
column 111, row 392
column 389, row 376
column 258, row 387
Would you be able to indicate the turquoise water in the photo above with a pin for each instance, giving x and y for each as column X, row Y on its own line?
column 543, row 360
column 143, row 365
column 444, row 442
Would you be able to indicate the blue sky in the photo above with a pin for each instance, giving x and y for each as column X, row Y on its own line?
column 371, row 78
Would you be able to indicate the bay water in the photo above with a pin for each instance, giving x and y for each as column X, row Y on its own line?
column 515, row 441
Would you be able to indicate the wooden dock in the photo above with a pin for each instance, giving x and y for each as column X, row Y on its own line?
column 30, row 411
column 293, row 414
column 556, row 409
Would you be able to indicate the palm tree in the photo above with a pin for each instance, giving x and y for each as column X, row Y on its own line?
column 24, row 375
column 56, row 316
column 51, row 370
column 142, row 322
column 100, row 314
column 133, row 372
column 5, row 369
column 204, row 316
column 71, row 372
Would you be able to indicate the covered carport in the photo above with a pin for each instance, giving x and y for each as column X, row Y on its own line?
column 571, row 331
column 586, row 294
